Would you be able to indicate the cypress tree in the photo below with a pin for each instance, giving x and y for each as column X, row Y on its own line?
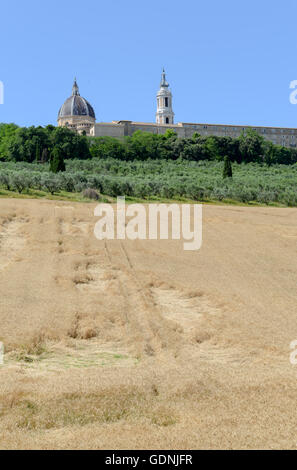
column 57, row 161
column 44, row 155
column 37, row 153
column 227, row 172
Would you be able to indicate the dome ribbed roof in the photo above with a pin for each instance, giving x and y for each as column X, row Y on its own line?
column 76, row 105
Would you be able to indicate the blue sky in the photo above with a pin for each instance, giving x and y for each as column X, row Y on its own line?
column 226, row 61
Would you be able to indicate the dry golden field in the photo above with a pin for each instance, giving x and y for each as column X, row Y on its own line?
column 131, row 345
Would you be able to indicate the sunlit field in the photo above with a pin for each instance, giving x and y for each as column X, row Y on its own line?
column 140, row 344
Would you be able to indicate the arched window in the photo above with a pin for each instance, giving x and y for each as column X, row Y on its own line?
column 166, row 102
column 167, row 119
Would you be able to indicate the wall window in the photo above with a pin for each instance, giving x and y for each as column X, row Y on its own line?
column 167, row 119
column 166, row 102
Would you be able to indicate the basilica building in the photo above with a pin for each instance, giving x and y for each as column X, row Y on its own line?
column 78, row 114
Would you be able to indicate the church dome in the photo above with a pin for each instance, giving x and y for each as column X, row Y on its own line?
column 76, row 105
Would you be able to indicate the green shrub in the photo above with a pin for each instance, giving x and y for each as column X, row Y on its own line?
column 90, row 193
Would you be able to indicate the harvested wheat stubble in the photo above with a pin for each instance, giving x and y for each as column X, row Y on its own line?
column 129, row 345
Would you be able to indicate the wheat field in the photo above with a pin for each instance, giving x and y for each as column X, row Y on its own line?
column 140, row 344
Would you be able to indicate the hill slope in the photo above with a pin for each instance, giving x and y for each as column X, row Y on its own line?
column 124, row 344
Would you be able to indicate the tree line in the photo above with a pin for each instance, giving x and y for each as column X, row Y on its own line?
column 40, row 144
column 43, row 144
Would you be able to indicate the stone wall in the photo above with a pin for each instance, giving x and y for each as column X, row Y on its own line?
column 286, row 137
column 108, row 130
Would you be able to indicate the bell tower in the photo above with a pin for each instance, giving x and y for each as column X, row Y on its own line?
column 165, row 114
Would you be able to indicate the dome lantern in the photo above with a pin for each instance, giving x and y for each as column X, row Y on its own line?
column 75, row 89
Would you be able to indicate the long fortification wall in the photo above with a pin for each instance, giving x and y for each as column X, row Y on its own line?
column 286, row 137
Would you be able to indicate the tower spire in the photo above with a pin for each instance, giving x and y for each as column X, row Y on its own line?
column 163, row 79
column 75, row 89
column 165, row 114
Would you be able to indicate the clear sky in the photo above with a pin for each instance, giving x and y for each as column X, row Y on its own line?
column 226, row 61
